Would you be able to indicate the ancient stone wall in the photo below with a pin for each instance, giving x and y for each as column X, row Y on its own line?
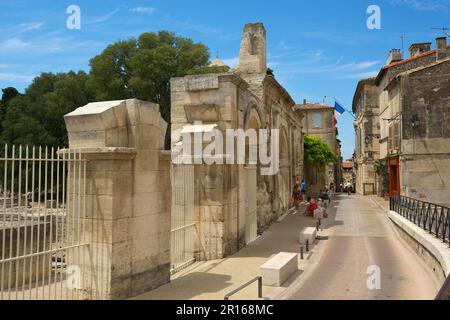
column 127, row 218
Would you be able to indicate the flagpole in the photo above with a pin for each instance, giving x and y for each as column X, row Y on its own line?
column 341, row 104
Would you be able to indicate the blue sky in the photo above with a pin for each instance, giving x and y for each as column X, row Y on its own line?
column 316, row 48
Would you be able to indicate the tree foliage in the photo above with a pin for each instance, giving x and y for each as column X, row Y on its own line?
column 135, row 68
column 37, row 117
column 142, row 68
column 317, row 152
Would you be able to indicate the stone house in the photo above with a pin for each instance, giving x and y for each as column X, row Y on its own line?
column 233, row 203
column 367, row 135
column 318, row 121
column 413, row 102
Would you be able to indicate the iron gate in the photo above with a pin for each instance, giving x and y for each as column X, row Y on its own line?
column 42, row 240
column 184, row 235
column 251, row 223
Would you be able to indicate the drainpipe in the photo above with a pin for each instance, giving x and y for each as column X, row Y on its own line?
column 238, row 175
column 400, row 135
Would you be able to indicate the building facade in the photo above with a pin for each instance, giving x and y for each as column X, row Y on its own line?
column 367, row 135
column 232, row 202
column 318, row 121
column 413, row 101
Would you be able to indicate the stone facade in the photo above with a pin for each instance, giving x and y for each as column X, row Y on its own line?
column 412, row 98
column 127, row 209
column 424, row 96
column 318, row 121
column 367, row 135
column 244, row 98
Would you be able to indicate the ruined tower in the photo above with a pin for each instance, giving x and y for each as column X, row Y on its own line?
column 252, row 56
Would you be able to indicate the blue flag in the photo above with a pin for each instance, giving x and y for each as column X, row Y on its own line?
column 338, row 110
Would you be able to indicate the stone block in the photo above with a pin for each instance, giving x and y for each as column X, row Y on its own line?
column 278, row 269
column 309, row 234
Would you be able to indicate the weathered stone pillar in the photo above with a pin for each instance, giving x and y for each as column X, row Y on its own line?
column 126, row 221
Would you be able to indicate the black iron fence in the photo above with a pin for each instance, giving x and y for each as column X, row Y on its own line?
column 431, row 217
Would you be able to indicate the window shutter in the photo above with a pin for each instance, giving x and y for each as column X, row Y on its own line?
column 396, row 136
column 390, row 139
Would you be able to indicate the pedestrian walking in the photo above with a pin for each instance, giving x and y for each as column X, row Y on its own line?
column 304, row 189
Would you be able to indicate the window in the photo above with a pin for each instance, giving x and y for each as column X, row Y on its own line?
column 317, row 120
column 394, row 137
column 360, row 104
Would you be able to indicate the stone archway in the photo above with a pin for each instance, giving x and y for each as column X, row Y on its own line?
column 255, row 118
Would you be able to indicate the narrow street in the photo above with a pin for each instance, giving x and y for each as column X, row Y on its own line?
column 361, row 237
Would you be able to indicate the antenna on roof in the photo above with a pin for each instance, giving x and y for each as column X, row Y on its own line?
column 444, row 30
column 402, row 38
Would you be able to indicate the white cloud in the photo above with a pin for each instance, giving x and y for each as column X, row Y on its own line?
column 12, row 77
column 30, row 26
column 146, row 10
column 6, row 66
column 317, row 63
column 13, row 45
column 423, row 5
column 102, row 18
column 46, row 45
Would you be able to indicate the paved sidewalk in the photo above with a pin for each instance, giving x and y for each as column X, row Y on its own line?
column 211, row 280
column 384, row 204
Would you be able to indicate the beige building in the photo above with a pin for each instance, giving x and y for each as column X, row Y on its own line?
column 413, row 102
column 367, row 135
column 231, row 204
column 318, row 121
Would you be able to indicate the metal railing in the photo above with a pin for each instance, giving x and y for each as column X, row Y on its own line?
column 183, row 247
column 431, row 217
column 44, row 251
column 245, row 285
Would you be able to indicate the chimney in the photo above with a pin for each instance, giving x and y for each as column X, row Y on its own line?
column 441, row 48
column 252, row 56
column 394, row 56
column 418, row 48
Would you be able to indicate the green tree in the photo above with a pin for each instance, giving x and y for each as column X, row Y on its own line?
column 142, row 68
column 135, row 68
column 317, row 152
column 7, row 95
column 37, row 117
